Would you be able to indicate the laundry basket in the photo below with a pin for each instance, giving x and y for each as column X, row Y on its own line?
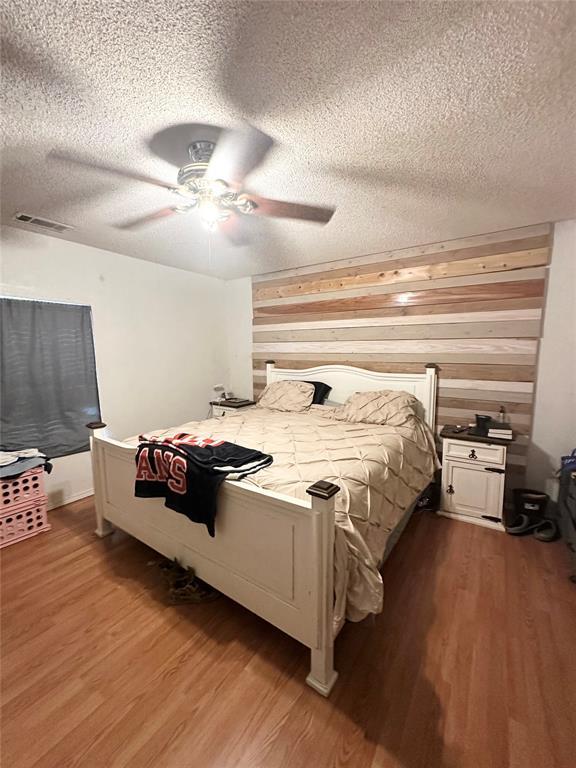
column 23, row 510
column 28, row 487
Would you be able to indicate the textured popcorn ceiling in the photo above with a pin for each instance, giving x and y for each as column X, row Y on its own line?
column 420, row 121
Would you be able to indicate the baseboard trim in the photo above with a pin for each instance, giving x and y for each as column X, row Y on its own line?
column 474, row 520
column 69, row 499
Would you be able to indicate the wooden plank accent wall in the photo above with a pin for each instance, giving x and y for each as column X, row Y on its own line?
column 473, row 306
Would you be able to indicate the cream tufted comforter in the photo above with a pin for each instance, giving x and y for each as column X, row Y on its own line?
column 380, row 470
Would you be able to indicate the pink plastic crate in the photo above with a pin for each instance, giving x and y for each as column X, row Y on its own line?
column 29, row 487
column 23, row 521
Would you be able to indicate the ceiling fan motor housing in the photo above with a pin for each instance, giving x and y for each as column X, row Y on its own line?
column 199, row 190
column 200, row 153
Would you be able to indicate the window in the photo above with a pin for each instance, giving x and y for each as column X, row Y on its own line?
column 48, row 387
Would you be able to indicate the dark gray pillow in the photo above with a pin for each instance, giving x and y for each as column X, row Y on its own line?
column 321, row 392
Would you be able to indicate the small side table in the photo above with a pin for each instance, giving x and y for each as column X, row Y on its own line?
column 225, row 407
column 473, row 476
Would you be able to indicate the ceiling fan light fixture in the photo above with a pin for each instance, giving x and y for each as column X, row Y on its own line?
column 211, row 214
column 219, row 187
column 245, row 205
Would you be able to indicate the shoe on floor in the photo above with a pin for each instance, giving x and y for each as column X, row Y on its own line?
column 547, row 531
column 522, row 526
column 195, row 591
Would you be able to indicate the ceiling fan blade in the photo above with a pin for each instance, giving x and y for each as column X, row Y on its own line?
column 283, row 210
column 238, row 153
column 34, row 66
column 141, row 221
column 94, row 165
column 235, row 230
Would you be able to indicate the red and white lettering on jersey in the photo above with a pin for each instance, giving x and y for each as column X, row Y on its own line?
column 182, row 438
column 177, row 481
column 144, row 469
column 200, row 442
column 162, row 463
column 169, row 468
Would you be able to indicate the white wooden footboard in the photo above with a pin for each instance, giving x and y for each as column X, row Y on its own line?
column 272, row 553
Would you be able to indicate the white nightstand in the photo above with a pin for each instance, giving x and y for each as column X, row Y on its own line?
column 473, row 475
column 221, row 408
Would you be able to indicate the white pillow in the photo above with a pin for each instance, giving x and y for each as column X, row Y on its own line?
column 287, row 396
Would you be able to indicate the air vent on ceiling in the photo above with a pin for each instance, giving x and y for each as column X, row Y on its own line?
column 35, row 221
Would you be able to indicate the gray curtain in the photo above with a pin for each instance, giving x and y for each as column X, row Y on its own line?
column 48, row 387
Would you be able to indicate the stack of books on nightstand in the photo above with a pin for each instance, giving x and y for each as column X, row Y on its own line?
column 500, row 430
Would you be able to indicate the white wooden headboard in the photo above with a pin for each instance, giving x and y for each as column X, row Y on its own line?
column 346, row 379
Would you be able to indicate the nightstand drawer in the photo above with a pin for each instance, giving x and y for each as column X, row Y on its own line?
column 474, row 452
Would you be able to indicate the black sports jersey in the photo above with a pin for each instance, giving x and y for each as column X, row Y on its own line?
column 187, row 472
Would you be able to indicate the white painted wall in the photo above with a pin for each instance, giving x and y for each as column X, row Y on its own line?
column 160, row 335
column 554, row 426
column 238, row 303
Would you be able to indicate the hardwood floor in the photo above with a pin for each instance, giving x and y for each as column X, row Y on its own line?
column 471, row 665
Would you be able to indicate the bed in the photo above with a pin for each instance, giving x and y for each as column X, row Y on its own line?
column 301, row 554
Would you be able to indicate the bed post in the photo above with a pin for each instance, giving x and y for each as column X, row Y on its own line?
column 322, row 674
column 269, row 369
column 432, row 378
column 103, row 527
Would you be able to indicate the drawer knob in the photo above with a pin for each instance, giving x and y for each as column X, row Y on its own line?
column 450, row 489
column 472, row 454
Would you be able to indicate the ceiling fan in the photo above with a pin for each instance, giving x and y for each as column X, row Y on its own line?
column 211, row 183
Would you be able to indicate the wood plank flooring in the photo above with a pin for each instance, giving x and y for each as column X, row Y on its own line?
column 471, row 665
